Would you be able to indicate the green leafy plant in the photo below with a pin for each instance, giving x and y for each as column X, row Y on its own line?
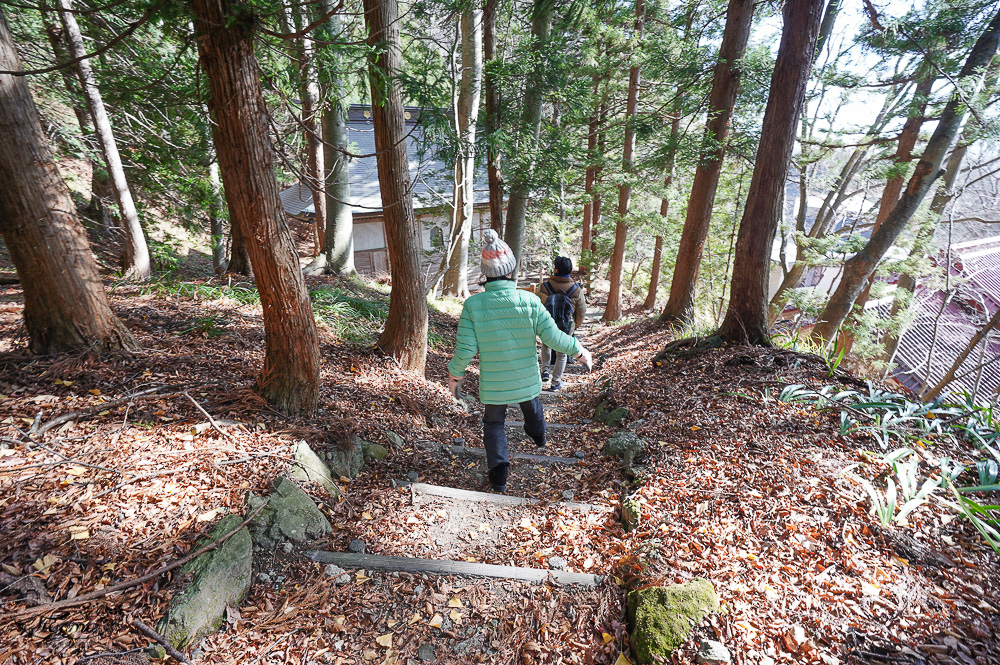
column 903, row 489
column 211, row 325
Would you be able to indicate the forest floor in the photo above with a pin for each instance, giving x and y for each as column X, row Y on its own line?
column 756, row 495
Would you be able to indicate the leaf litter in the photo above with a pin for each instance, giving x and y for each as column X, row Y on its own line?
column 747, row 493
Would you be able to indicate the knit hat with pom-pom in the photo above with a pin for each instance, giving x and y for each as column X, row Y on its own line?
column 498, row 259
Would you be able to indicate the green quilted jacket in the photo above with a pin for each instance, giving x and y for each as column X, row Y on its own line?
column 501, row 325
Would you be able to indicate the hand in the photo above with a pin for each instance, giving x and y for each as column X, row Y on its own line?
column 454, row 385
column 587, row 359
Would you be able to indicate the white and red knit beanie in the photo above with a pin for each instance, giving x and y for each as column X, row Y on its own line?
column 498, row 259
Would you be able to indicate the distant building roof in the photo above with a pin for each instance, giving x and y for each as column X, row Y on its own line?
column 430, row 178
column 942, row 338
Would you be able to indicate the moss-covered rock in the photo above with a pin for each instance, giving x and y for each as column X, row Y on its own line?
column 348, row 462
column 662, row 617
column 631, row 514
column 374, row 451
column 289, row 515
column 613, row 416
column 309, row 467
column 625, row 444
column 222, row 578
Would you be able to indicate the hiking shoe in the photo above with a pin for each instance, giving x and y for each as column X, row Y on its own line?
column 545, row 375
column 556, row 385
column 498, row 477
column 539, row 443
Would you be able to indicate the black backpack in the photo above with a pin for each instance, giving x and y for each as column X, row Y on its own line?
column 560, row 306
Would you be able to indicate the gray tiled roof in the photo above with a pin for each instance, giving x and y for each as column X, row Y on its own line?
column 943, row 338
column 430, row 178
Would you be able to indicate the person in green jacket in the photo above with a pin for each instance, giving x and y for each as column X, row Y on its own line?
column 501, row 324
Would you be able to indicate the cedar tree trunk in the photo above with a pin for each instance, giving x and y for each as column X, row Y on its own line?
column 746, row 317
column 65, row 306
column 613, row 310
column 405, row 334
column 337, row 254
column 492, row 90
column 531, row 121
column 290, row 377
column 305, row 52
column 725, row 86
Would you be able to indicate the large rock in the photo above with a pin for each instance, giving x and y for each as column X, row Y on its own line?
column 348, row 463
column 374, row 452
column 625, row 444
column 222, row 578
column 289, row 515
column 662, row 617
column 631, row 514
column 608, row 414
column 309, row 467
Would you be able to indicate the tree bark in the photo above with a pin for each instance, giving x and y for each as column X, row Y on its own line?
column 337, row 254
column 725, row 87
column 135, row 254
column 239, row 259
column 405, row 334
column 613, row 311
column 57, row 40
column 860, row 266
column 589, row 180
column 492, row 90
column 531, row 121
column 290, row 376
column 746, row 317
column 215, row 205
column 826, row 27
column 305, row 55
column 65, row 306
column 456, row 279
column 216, row 202
column 654, row 274
column 904, row 155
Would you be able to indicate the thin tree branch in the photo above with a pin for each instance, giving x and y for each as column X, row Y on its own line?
column 69, row 63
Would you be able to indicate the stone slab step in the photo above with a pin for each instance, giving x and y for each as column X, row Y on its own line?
column 539, row 459
column 487, row 497
column 548, row 425
column 348, row 560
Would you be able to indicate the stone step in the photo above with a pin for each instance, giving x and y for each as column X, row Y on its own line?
column 488, row 497
column 548, row 425
column 539, row 459
column 349, row 561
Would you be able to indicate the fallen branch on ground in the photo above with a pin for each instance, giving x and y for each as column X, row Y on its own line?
column 73, row 415
column 121, row 586
column 153, row 635
column 209, row 416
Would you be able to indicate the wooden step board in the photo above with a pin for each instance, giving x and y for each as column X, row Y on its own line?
column 349, row 561
column 488, row 497
column 540, row 459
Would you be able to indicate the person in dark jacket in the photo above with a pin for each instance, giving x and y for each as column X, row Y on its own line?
column 560, row 282
column 501, row 324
